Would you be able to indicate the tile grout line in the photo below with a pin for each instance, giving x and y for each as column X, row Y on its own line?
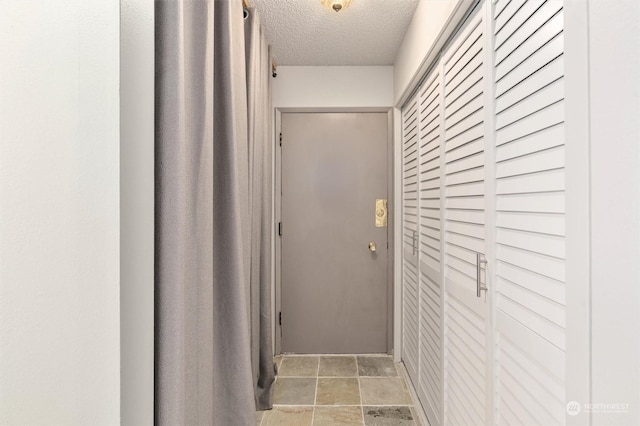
column 360, row 390
column 315, row 397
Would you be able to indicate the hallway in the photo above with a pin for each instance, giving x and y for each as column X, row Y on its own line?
column 141, row 212
column 339, row 390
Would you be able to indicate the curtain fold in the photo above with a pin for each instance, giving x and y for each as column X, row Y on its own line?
column 213, row 204
column 258, row 67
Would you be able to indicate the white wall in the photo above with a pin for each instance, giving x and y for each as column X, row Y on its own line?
column 614, row 91
column 136, row 210
column 432, row 23
column 323, row 87
column 59, row 212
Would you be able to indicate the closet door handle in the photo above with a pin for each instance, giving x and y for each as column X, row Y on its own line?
column 413, row 243
column 480, row 260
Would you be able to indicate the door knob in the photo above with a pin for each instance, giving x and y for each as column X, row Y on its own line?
column 372, row 247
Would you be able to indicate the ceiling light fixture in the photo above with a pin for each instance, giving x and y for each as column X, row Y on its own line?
column 336, row 5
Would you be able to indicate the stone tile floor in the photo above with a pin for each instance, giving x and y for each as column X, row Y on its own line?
column 330, row 390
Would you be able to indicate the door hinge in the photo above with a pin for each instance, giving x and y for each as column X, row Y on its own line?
column 280, row 139
column 280, row 229
column 280, row 318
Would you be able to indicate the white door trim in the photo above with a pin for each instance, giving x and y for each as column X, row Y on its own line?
column 577, row 216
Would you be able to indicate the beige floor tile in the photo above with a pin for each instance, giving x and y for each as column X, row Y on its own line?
column 294, row 391
column 340, row 366
column 299, row 366
column 338, row 392
column 384, row 391
column 376, row 366
column 288, row 416
column 388, row 416
column 259, row 416
column 337, row 416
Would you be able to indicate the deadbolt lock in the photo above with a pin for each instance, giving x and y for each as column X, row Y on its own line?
column 372, row 247
column 381, row 213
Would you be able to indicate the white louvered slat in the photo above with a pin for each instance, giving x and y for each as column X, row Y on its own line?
column 529, row 27
column 461, row 117
column 549, row 202
column 542, row 182
column 506, row 25
column 457, row 240
column 499, row 7
column 469, row 162
column 429, row 387
column 466, row 42
column 466, row 216
column 464, row 229
column 474, row 91
column 537, row 283
column 528, row 45
column 545, row 76
column 547, row 138
column 466, row 176
column 464, row 372
column 551, row 311
column 410, row 321
column 509, row 10
column 467, row 87
column 548, row 159
column 548, row 266
column 410, row 223
column 463, row 153
column 542, row 57
column 535, row 242
column 530, row 229
column 542, row 222
column 464, row 253
column 537, row 101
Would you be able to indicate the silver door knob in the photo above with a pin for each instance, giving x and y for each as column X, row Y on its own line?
column 372, row 247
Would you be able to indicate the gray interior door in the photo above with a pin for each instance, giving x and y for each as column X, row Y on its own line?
column 334, row 288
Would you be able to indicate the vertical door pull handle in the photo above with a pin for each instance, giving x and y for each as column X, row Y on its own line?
column 480, row 260
column 413, row 242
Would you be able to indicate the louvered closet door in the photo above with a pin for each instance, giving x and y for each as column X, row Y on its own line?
column 430, row 136
column 410, row 304
column 467, row 379
column 530, row 207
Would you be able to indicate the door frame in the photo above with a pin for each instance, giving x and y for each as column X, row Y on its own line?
column 277, row 217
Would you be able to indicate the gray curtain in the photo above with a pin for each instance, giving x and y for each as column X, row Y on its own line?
column 206, row 320
column 258, row 68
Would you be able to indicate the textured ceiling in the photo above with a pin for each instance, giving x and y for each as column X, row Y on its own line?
column 304, row 32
